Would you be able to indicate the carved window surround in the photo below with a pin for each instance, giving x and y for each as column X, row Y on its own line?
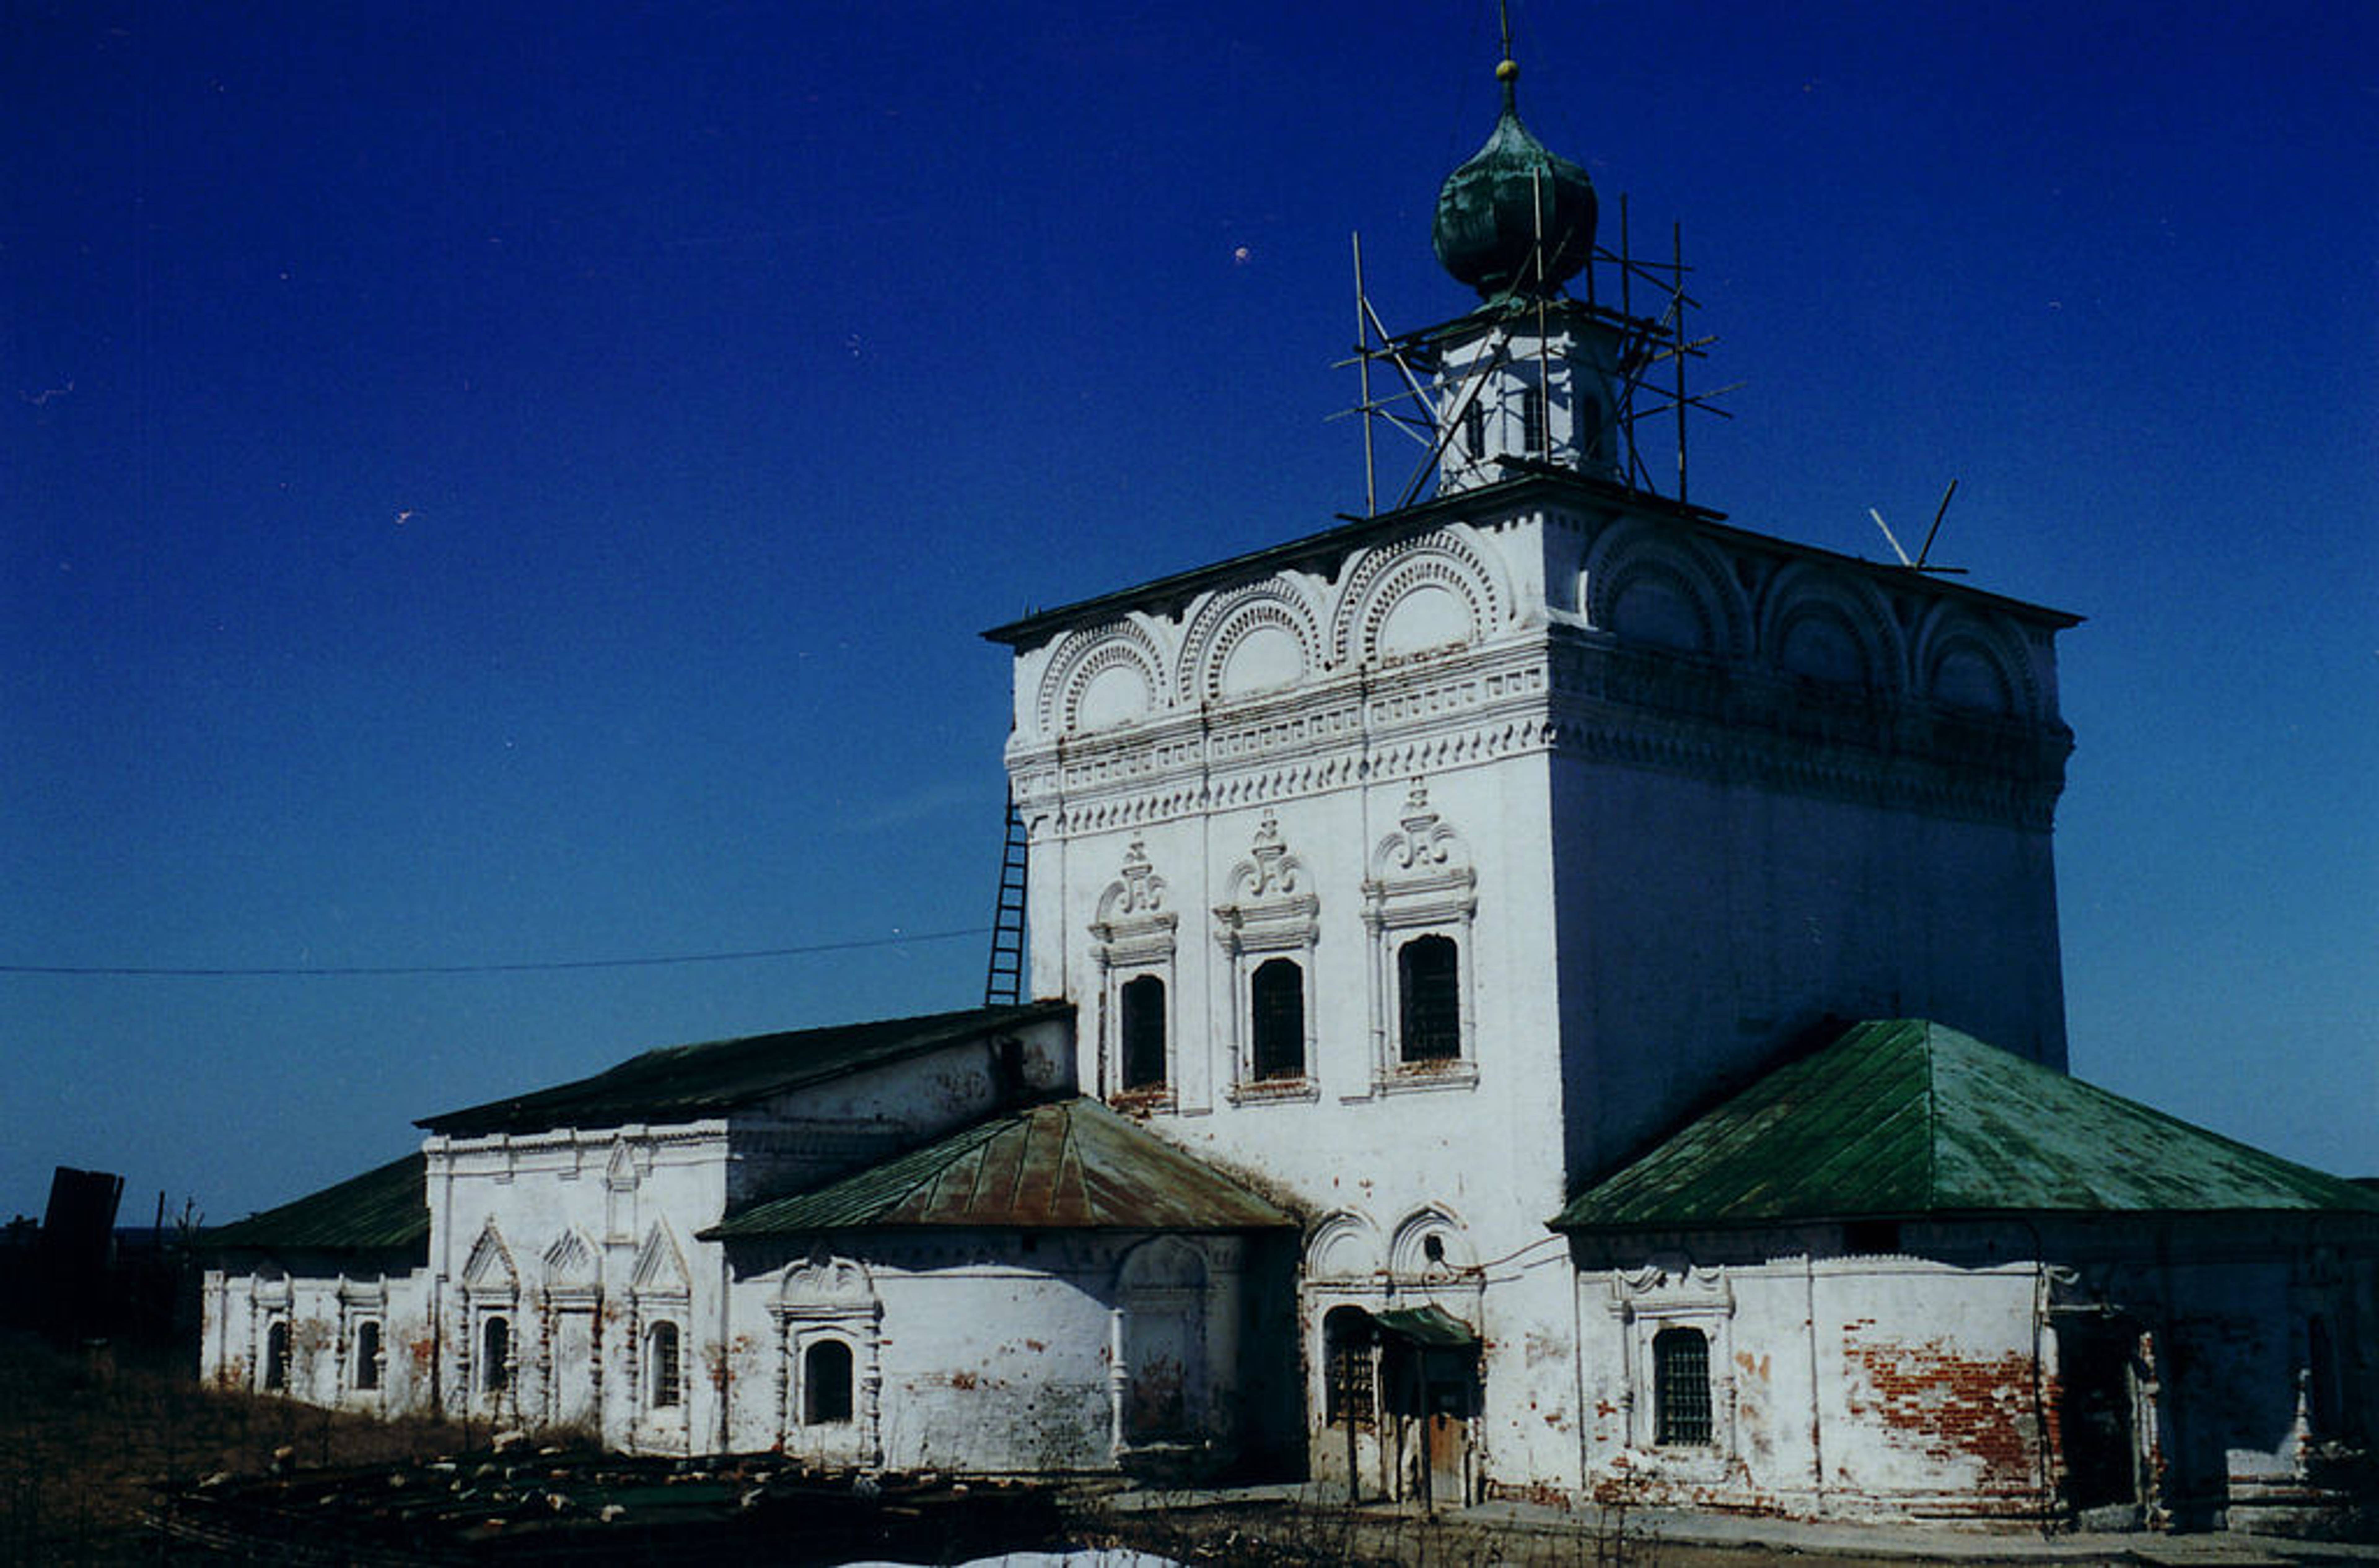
column 1668, row 1292
column 1421, row 885
column 1134, row 936
column 1269, row 916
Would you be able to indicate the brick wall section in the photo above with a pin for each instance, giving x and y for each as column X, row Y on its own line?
column 1952, row 1406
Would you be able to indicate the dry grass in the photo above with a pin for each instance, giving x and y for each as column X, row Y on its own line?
column 86, row 1439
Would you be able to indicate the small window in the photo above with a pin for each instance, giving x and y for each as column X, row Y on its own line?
column 1474, row 429
column 496, row 1356
column 1428, row 991
column 826, row 1383
column 1143, row 1028
column 1532, row 421
column 1347, row 1335
column 1681, row 1389
column 662, row 1365
column 276, row 1355
column 1276, row 996
column 366, row 1356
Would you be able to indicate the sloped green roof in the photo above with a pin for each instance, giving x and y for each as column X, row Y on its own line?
column 1905, row 1117
column 1427, row 1325
column 1069, row 1165
column 680, row 1083
column 381, row 1210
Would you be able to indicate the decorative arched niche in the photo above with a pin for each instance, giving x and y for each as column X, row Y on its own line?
column 1160, row 1331
column 1255, row 639
column 1831, row 629
column 1653, row 589
column 1969, row 664
column 1102, row 679
column 1435, row 590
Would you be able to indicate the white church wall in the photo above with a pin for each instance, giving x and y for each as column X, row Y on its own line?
column 353, row 1339
column 993, row 1353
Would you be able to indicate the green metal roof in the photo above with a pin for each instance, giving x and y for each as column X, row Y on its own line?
column 1905, row 1117
column 381, row 1210
column 681, row 1084
column 1426, row 1325
column 1068, row 1164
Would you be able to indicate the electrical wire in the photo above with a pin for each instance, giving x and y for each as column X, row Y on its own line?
column 314, row 971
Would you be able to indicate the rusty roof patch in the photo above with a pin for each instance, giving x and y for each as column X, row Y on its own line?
column 680, row 1083
column 1902, row 1117
column 382, row 1210
column 1067, row 1164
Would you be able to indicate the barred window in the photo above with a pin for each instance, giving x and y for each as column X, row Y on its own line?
column 1348, row 1386
column 1681, row 1387
column 661, row 1360
column 1532, row 420
column 1429, row 991
column 1142, row 1027
column 276, row 1355
column 826, row 1383
column 1277, row 997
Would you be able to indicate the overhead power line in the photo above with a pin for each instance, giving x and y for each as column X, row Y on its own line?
column 313, row 971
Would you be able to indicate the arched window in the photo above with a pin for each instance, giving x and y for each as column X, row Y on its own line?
column 1428, row 991
column 1141, row 1029
column 276, row 1355
column 1276, row 999
column 496, row 1356
column 1348, row 1388
column 662, row 1365
column 367, row 1355
column 826, row 1383
column 1681, row 1387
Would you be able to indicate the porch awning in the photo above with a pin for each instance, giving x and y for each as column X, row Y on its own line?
column 1427, row 1326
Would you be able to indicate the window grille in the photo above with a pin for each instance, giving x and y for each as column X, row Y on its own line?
column 1429, row 991
column 1681, row 1387
column 276, row 1355
column 1277, row 1000
column 1141, row 1002
column 662, row 1346
column 826, row 1383
column 1349, row 1384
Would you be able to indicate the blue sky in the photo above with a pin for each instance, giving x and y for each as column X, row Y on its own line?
column 497, row 489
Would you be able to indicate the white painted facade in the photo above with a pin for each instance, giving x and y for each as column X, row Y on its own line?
column 1673, row 794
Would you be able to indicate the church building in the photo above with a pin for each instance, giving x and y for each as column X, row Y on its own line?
column 1538, row 991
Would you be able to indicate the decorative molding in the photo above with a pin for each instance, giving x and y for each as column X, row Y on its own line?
column 1082, row 656
column 660, row 1270
column 1268, row 915
column 1222, row 621
column 1453, row 557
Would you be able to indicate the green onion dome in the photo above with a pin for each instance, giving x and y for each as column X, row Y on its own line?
column 1489, row 211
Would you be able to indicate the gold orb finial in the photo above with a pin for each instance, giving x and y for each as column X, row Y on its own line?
column 1507, row 70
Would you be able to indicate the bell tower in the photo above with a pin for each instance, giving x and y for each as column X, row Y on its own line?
column 1526, row 381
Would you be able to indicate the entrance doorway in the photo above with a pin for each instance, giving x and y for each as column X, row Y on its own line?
column 2098, row 1411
